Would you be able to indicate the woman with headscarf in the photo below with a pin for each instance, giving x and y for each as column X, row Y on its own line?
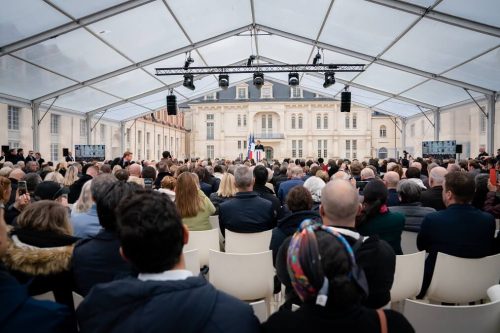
column 377, row 219
column 324, row 274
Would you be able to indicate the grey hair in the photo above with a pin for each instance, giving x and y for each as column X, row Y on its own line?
column 408, row 191
column 100, row 184
column 243, row 176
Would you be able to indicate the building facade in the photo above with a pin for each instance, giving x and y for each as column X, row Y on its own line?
column 289, row 122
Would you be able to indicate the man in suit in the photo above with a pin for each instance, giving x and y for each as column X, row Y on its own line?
column 30, row 157
column 247, row 212
column 434, row 196
column 460, row 230
column 69, row 157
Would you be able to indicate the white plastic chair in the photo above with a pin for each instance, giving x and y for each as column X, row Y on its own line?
column 494, row 293
column 461, row 280
column 77, row 299
column 409, row 242
column 48, row 296
column 408, row 276
column 248, row 277
column 433, row 318
column 214, row 221
column 260, row 310
column 248, row 242
column 192, row 261
column 203, row 241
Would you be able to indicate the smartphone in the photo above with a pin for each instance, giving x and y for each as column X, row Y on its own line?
column 493, row 176
column 148, row 183
column 22, row 187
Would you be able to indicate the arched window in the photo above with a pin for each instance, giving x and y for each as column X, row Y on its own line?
column 318, row 121
column 382, row 153
column 325, row 121
column 301, row 121
column 383, row 131
column 347, row 121
column 293, row 121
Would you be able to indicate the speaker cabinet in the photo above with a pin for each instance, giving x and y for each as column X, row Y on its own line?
column 65, row 152
column 458, row 149
column 345, row 101
column 171, row 105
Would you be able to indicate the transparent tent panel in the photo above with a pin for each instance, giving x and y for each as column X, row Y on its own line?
column 21, row 79
column 487, row 12
column 400, row 108
column 78, row 8
column 124, row 111
column 15, row 15
column 84, row 100
column 283, row 49
column 227, row 51
column 483, row 71
column 204, row 19
column 438, row 93
column 388, row 79
column 129, row 84
column 363, row 26
column 77, row 54
column 436, row 47
column 143, row 32
column 203, row 86
column 422, row 3
column 154, row 101
column 296, row 16
column 365, row 97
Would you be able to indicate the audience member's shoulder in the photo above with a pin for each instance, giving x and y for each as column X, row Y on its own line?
column 396, row 322
column 243, row 318
column 47, row 316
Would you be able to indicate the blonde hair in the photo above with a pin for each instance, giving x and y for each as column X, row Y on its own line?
column 5, row 184
column 227, row 187
column 187, row 199
column 45, row 215
column 71, row 176
column 84, row 201
column 55, row 176
column 168, row 182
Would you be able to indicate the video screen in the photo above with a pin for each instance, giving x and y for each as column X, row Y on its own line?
column 440, row 149
column 90, row 152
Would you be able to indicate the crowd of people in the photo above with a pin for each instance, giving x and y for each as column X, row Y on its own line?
column 113, row 232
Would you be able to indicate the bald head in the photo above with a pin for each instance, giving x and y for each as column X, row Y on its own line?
column 135, row 170
column 453, row 167
column 17, row 174
column 391, row 179
column 367, row 173
column 436, row 176
column 417, row 165
column 339, row 203
column 341, row 175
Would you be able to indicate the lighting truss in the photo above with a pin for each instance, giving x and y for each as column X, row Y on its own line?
column 262, row 68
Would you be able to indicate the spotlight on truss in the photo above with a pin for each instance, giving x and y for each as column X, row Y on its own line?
column 189, row 81
column 293, row 79
column 223, row 81
column 329, row 79
column 258, row 79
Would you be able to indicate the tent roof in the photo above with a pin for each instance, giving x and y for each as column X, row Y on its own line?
column 100, row 56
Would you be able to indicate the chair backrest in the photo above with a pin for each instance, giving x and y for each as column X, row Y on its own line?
column 462, row 280
column 260, row 310
column 494, row 293
column 408, row 276
column 248, row 242
column 409, row 242
column 77, row 299
column 192, row 261
column 244, row 276
column 432, row 318
column 203, row 241
column 214, row 221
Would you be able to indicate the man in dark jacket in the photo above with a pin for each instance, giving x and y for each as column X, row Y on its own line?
column 164, row 297
column 75, row 189
column 391, row 180
column 433, row 197
column 339, row 207
column 247, row 212
column 97, row 258
column 460, row 230
column 260, row 174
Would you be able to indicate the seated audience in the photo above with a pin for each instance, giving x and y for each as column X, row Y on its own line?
column 315, row 185
column 411, row 207
column 165, row 297
column 299, row 202
column 90, row 172
column 247, row 212
column 460, row 230
column 71, row 176
column 168, row 184
column 193, row 205
column 413, row 174
column 433, row 197
column 481, row 191
column 226, row 191
column 41, row 249
column 296, row 174
column 339, row 207
column 377, row 219
column 391, row 180
column 261, row 174
column 97, row 259
column 492, row 203
column 21, row 313
column 325, row 275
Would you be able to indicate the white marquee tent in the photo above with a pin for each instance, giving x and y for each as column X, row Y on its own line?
column 98, row 57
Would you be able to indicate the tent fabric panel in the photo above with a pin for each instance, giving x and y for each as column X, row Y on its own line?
column 483, row 11
column 388, row 79
column 84, row 100
column 129, row 84
column 79, row 9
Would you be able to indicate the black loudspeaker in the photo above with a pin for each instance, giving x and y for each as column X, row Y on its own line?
column 171, row 105
column 5, row 150
column 458, row 149
column 345, row 101
column 65, row 152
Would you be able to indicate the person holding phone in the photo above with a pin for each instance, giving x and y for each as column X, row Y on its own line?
column 22, row 198
column 492, row 203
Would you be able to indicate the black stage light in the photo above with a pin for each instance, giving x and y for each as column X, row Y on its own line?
column 317, row 58
column 293, row 79
column 250, row 60
column 345, row 100
column 188, row 81
column 171, row 105
column 188, row 62
column 329, row 79
column 224, row 81
column 258, row 79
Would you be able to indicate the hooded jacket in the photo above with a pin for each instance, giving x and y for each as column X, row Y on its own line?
column 190, row 305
